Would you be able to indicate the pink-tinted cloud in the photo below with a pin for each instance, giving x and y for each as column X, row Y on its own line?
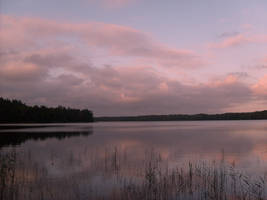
column 21, row 71
column 130, row 90
column 45, row 64
column 228, row 80
column 114, row 39
column 238, row 40
column 230, row 42
column 260, row 88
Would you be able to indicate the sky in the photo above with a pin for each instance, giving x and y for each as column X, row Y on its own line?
column 135, row 57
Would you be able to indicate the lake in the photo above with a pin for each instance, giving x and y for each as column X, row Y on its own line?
column 129, row 160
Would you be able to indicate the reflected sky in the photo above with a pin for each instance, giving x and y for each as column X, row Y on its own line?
column 93, row 159
column 66, row 151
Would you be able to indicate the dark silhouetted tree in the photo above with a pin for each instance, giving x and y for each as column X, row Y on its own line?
column 14, row 111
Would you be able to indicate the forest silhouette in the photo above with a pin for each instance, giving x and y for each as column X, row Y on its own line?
column 14, row 111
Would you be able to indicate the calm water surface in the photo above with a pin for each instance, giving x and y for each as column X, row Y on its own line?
column 242, row 142
column 81, row 152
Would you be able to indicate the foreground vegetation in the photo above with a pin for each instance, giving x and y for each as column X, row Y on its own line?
column 152, row 180
column 14, row 111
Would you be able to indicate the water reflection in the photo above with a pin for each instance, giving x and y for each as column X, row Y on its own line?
column 15, row 135
column 93, row 162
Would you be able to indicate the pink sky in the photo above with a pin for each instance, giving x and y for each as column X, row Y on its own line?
column 135, row 63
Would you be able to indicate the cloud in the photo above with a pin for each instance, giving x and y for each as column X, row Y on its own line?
column 260, row 64
column 260, row 88
column 239, row 74
column 238, row 40
column 113, row 39
column 229, row 34
column 21, row 71
column 128, row 90
column 258, row 67
column 111, row 69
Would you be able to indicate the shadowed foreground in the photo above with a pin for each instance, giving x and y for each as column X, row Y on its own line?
column 154, row 179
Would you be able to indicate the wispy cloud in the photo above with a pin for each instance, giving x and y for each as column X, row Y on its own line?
column 232, row 41
column 238, row 40
column 114, row 39
column 229, row 34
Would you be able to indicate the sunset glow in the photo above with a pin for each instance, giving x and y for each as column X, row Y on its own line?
column 135, row 57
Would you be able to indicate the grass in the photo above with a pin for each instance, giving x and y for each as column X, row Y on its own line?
column 151, row 179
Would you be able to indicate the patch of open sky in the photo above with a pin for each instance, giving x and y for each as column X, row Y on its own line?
column 56, row 72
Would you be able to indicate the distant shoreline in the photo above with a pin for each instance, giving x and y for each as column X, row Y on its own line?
column 204, row 120
column 15, row 112
column 258, row 115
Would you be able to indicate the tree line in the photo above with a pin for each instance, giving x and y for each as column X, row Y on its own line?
column 14, row 111
column 259, row 115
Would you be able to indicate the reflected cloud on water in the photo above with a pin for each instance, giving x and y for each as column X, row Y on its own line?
column 84, row 152
column 241, row 142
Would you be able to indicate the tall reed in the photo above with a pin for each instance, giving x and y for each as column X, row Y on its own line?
column 113, row 177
